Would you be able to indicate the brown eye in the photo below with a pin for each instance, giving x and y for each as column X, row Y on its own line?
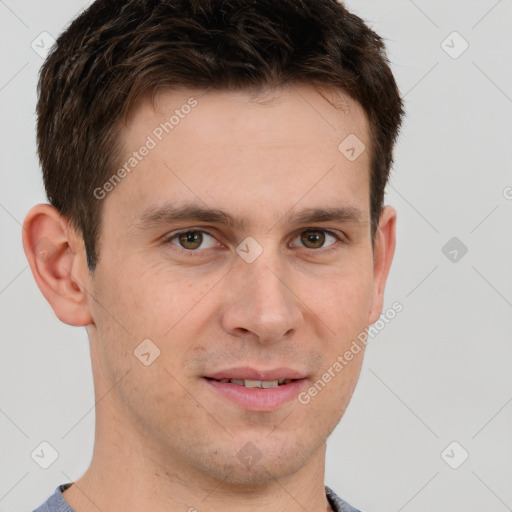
column 316, row 239
column 190, row 239
column 312, row 239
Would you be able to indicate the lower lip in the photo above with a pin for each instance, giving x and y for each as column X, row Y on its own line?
column 258, row 399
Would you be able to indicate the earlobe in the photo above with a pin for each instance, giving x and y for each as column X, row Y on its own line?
column 384, row 249
column 57, row 260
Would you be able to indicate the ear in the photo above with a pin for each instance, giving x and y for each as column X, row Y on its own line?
column 383, row 251
column 56, row 256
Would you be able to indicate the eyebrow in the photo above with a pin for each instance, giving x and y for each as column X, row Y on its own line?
column 337, row 214
column 171, row 212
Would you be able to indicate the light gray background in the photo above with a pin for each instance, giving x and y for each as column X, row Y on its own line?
column 439, row 372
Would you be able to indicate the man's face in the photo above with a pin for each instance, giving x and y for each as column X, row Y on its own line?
column 292, row 297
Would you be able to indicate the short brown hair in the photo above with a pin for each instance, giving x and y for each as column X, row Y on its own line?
column 118, row 51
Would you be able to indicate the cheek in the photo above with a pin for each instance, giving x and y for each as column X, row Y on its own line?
column 157, row 305
column 342, row 299
column 149, row 302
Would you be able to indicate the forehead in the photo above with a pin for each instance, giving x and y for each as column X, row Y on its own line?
column 245, row 149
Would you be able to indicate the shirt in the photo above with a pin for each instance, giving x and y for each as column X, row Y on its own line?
column 57, row 503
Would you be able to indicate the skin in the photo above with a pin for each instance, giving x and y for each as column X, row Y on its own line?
column 164, row 439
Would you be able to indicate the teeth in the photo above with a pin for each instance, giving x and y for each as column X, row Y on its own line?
column 261, row 383
column 264, row 384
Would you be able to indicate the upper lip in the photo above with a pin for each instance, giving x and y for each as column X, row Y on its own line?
column 247, row 373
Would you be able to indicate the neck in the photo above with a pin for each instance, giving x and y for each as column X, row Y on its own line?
column 119, row 481
column 128, row 471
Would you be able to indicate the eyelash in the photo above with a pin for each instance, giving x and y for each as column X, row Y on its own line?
column 197, row 252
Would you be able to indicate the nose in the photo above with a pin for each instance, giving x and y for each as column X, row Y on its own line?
column 260, row 302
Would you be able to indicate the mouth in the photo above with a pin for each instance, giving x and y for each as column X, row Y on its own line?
column 250, row 383
column 253, row 390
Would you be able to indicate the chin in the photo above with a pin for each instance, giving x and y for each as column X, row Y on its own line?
column 251, row 465
column 261, row 474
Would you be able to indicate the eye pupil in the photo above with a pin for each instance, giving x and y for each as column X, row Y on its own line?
column 313, row 239
column 191, row 239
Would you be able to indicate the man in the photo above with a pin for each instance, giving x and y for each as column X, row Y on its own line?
column 216, row 173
